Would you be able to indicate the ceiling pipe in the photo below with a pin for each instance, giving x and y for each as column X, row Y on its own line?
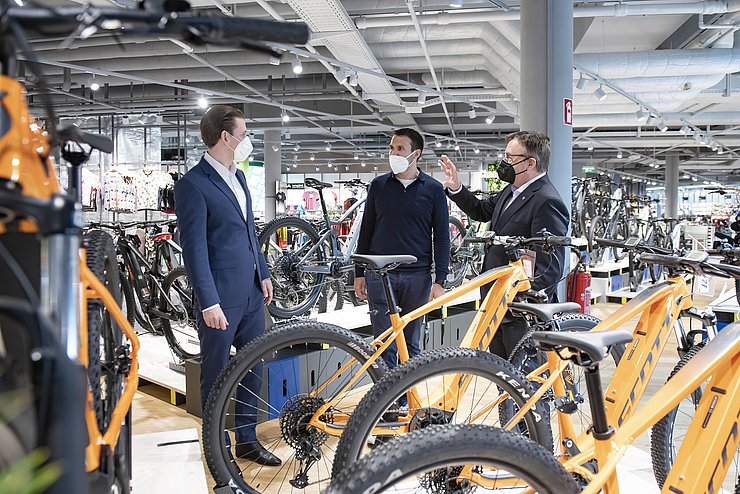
column 619, row 10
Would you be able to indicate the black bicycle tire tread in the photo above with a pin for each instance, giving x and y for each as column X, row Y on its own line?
column 279, row 334
column 99, row 248
column 313, row 297
column 483, row 442
column 358, row 423
column 127, row 291
column 661, row 432
column 166, row 326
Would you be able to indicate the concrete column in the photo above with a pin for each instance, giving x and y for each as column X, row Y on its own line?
column 546, row 79
column 273, row 166
column 671, row 185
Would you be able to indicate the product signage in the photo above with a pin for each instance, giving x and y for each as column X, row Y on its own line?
column 295, row 186
column 567, row 111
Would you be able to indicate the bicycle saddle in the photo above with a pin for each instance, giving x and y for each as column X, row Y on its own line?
column 592, row 347
column 381, row 262
column 544, row 312
column 317, row 184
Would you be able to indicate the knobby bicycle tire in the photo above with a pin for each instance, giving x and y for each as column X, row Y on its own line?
column 285, row 270
column 105, row 339
column 663, row 447
column 103, row 334
column 429, row 364
column 169, row 333
column 292, row 335
column 440, row 451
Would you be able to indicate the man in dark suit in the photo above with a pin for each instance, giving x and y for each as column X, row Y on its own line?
column 523, row 208
column 225, row 265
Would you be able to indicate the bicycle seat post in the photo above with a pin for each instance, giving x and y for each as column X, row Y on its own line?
column 600, row 427
column 388, row 289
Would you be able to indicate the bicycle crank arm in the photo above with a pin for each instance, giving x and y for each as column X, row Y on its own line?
column 166, row 315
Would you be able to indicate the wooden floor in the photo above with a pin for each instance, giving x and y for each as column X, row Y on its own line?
column 152, row 411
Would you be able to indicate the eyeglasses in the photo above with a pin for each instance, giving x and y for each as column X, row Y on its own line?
column 508, row 158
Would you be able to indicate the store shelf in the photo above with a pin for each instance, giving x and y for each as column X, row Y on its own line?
column 154, row 367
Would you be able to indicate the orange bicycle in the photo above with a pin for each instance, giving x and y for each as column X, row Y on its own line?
column 63, row 321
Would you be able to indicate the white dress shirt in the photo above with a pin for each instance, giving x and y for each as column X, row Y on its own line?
column 229, row 176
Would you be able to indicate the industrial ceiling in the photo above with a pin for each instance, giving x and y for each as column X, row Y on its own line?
column 650, row 78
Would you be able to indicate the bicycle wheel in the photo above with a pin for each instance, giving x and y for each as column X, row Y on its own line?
column 285, row 242
column 105, row 347
column 668, row 434
column 181, row 332
column 526, row 359
column 432, row 460
column 292, row 365
column 435, row 377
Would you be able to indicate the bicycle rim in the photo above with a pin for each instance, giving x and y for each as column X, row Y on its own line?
column 181, row 332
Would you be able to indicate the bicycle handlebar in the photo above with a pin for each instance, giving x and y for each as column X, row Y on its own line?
column 638, row 247
column 693, row 265
column 519, row 242
column 58, row 21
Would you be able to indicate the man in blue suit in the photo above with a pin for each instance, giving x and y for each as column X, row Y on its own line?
column 225, row 265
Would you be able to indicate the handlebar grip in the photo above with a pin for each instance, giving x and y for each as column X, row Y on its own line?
column 559, row 240
column 607, row 242
column 251, row 29
column 665, row 260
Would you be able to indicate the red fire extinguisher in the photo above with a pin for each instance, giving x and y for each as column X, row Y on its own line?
column 579, row 291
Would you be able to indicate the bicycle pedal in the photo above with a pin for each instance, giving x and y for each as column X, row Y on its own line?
column 566, row 405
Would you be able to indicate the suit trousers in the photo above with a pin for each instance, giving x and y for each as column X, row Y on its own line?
column 246, row 322
column 411, row 290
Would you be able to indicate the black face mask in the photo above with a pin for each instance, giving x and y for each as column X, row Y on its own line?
column 506, row 171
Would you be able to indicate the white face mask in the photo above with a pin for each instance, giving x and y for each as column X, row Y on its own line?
column 399, row 164
column 243, row 150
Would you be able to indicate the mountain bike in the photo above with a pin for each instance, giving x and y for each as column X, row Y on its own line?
column 155, row 287
column 313, row 375
column 72, row 352
column 487, row 459
column 302, row 260
column 560, row 384
column 708, row 377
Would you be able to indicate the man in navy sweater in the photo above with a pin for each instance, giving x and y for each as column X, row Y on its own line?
column 405, row 213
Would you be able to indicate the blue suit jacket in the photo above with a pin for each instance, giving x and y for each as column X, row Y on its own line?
column 219, row 246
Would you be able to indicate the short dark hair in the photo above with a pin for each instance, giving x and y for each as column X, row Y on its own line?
column 535, row 144
column 217, row 119
column 417, row 141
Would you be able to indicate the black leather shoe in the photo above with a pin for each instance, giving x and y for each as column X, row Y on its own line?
column 257, row 453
